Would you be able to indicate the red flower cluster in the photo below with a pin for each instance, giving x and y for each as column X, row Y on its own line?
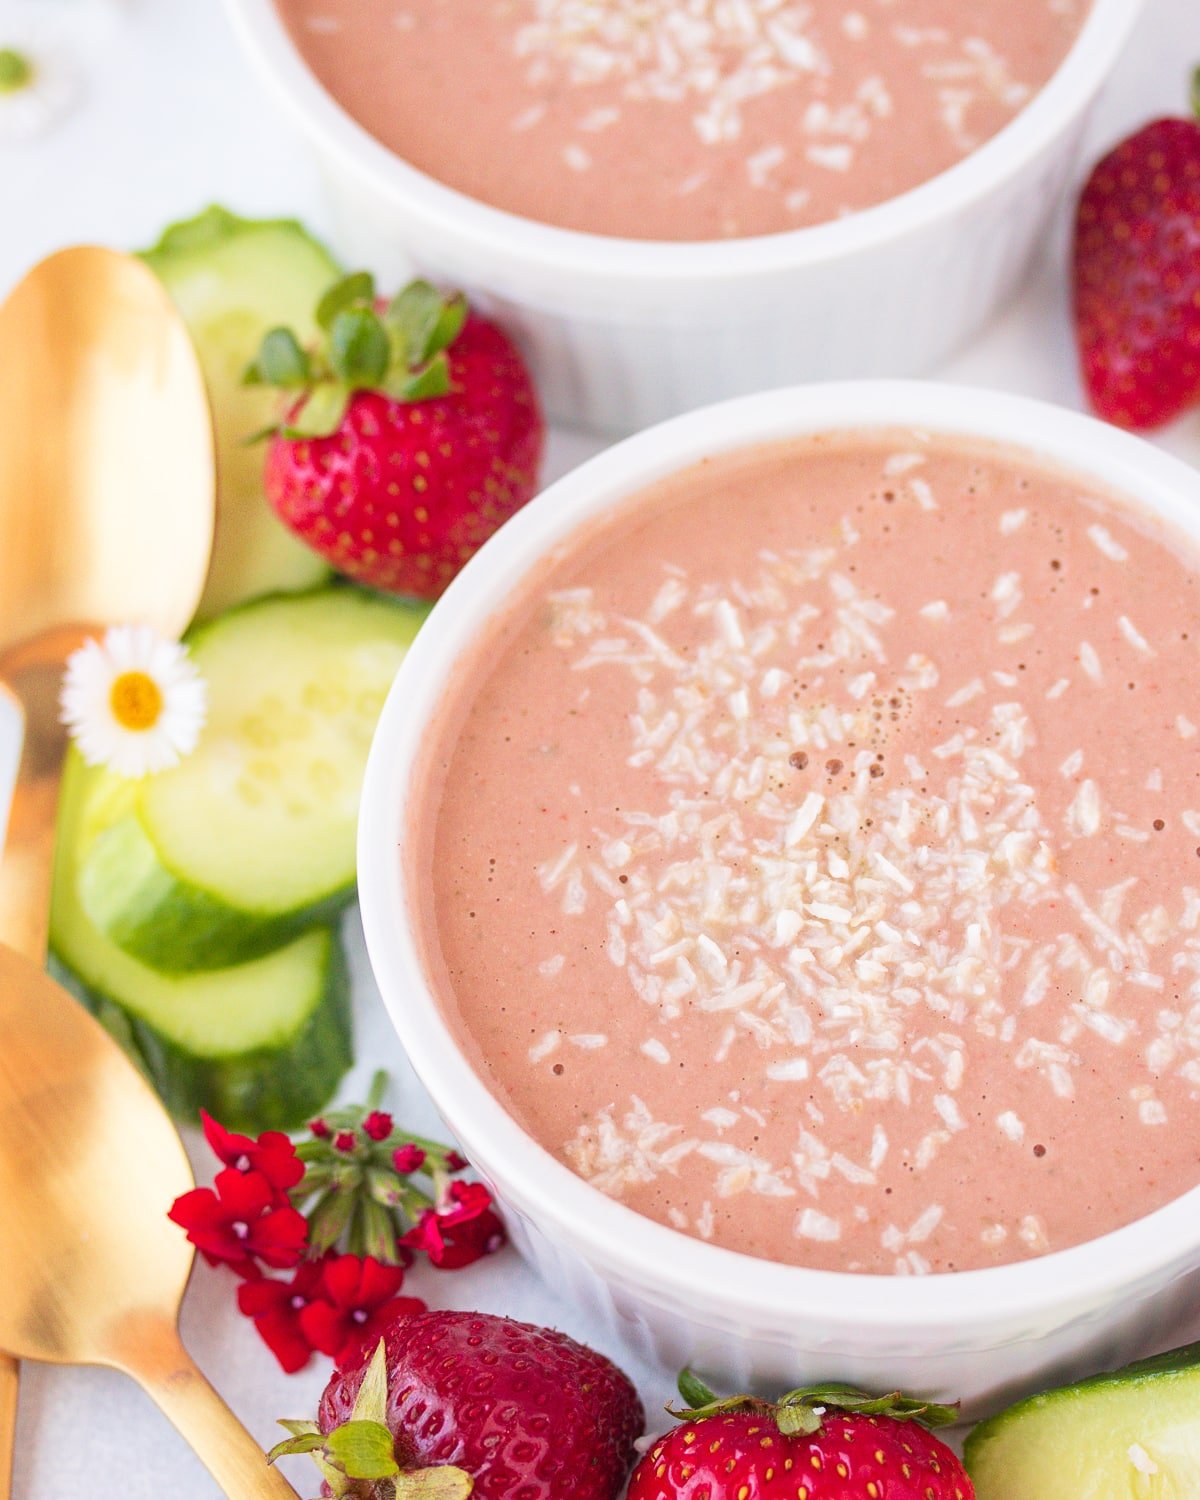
column 246, row 1216
column 460, row 1230
column 331, row 1303
column 331, row 1306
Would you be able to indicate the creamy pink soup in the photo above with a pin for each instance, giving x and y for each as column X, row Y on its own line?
column 810, row 856
column 683, row 119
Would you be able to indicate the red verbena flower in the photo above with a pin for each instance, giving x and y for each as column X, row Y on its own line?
column 272, row 1153
column 378, row 1125
column 357, row 1300
column 462, row 1230
column 319, row 1128
column 455, row 1162
column 345, row 1140
column 276, row 1304
column 239, row 1221
column 408, row 1158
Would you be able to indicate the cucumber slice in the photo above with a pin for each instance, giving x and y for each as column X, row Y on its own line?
column 1130, row 1434
column 250, row 840
column 233, row 279
column 262, row 1045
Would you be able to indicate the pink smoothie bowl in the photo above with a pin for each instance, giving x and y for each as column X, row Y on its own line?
column 621, row 333
column 978, row 1336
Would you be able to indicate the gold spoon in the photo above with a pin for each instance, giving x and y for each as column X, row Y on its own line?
column 106, row 509
column 91, row 1270
column 106, row 513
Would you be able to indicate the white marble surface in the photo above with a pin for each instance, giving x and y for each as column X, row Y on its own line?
column 169, row 120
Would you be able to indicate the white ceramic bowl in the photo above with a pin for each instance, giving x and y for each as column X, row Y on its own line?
column 977, row 1335
column 624, row 332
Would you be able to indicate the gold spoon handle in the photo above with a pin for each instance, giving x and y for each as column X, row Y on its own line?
column 167, row 1372
column 27, row 871
column 9, row 1371
column 30, row 676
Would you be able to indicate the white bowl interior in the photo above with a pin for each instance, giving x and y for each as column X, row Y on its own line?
column 534, row 245
column 673, row 1267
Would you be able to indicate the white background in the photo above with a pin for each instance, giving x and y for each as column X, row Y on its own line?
column 169, row 120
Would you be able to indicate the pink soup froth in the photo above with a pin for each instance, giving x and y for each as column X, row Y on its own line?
column 809, row 855
column 683, row 119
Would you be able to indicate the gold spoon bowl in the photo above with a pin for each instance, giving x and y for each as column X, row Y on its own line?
column 107, row 487
column 91, row 1270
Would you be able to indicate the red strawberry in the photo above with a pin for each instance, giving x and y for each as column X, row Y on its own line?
column 826, row 1443
column 414, row 431
column 1137, row 276
column 527, row 1412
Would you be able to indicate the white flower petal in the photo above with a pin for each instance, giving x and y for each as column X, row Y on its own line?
column 50, row 92
column 87, row 710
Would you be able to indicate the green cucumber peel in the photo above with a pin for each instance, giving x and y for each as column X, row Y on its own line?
column 214, row 226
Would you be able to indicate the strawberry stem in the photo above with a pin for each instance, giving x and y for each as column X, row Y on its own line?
column 398, row 349
column 801, row 1411
column 365, row 1449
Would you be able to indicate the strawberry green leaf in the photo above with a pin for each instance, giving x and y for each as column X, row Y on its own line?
column 845, row 1398
column 320, row 416
column 434, row 1484
column 414, row 315
column 309, row 1442
column 359, row 348
column 281, row 362
column 798, row 1421
column 802, row 1410
column 693, row 1390
column 362, row 1450
column 370, row 1405
column 424, row 385
column 449, row 326
column 298, row 1429
column 357, row 289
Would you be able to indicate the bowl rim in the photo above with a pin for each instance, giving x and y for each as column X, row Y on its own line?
column 513, row 241
column 676, row 1268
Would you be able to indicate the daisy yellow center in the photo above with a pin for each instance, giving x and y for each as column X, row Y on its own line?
column 16, row 71
column 136, row 700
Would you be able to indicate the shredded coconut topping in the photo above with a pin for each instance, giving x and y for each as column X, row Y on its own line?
column 850, row 918
column 814, row 926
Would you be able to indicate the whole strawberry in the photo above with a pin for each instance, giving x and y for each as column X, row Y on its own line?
column 824, row 1443
column 525, row 1412
column 413, row 431
column 1137, row 275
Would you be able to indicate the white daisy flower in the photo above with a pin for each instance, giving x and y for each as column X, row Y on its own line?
column 133, row 702
column 42, row 43
column 37, row 85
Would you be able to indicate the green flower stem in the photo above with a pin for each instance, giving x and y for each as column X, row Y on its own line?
column 316, row 1179
column 331, row 1219
column 376, row 1092
column 379, row 1232
column 16, row 71
column 385, row 1188
column 436, row 1151
column 415, row 1202
column 356, row 1199
column 1195, row 93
